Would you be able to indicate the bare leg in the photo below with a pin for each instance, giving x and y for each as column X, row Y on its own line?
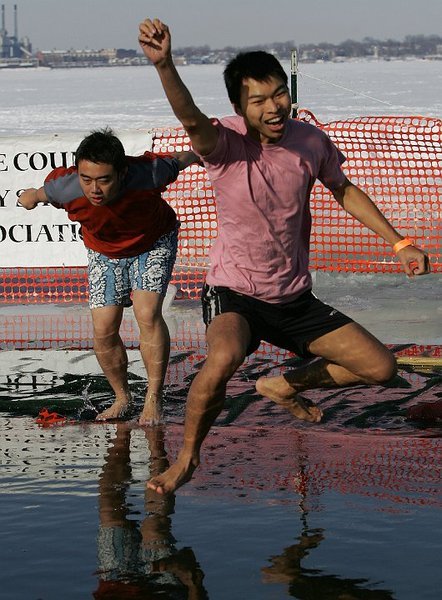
column 114, row 479
column 111, row 355
column 155, row 350
column 227, row 336
column 156, row 527
column 350, row 355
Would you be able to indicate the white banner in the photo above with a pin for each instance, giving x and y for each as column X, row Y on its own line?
column 44, row 237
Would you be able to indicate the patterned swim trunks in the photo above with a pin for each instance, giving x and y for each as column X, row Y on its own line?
column 112, row 280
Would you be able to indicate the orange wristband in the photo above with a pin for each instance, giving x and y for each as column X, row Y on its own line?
column 402, row 244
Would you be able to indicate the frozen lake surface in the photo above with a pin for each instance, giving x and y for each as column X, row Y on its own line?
column 38, row 101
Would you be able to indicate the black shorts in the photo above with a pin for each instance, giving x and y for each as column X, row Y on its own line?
column 291, row 326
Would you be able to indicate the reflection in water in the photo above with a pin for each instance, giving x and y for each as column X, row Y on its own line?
column 312, row 584
column 139, row 559
column 136, row 559
column 366, row 448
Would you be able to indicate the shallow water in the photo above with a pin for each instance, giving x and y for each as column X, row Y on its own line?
column 70, row 535
column 278, row 509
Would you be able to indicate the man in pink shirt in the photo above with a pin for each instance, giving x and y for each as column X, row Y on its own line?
column 263, row 165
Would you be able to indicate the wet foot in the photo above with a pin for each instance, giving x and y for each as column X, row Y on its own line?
column 117, row 411
column 281, row 392
column 176, row 475
column 152, row 413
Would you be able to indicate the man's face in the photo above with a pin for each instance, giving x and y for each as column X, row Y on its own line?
column 265, row 107
column 100, row 182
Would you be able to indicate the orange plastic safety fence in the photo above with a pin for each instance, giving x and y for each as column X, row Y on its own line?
column 396, row 160
column 70, row 328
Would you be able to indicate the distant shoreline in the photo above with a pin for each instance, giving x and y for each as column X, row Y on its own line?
column 13, row 64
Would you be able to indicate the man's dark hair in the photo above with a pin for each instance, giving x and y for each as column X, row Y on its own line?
column 258, row 65
column 102, row 146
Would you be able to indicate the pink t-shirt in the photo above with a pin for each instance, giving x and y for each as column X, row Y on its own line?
column 262, row 195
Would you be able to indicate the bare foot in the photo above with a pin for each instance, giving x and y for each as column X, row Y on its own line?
column 118, row 410
column 152, row 413
column 176, row 475
column 281, row 392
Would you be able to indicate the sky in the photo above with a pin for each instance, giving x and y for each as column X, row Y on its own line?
column 97, row 24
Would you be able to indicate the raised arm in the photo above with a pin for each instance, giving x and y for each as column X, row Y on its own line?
column 361, row 207
column 155, row 41
column 31, row 197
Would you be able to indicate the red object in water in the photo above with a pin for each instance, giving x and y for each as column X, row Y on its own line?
column 46, row 418
column 428, row 411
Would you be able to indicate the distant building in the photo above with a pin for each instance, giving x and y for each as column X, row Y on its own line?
column 75, row 58
column 86, row 58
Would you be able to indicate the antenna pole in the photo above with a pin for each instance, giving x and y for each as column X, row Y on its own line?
column 294, row 82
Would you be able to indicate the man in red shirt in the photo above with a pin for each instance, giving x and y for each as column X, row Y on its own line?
column 131, row 236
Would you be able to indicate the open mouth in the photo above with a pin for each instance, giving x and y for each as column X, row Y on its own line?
column 276, row 123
